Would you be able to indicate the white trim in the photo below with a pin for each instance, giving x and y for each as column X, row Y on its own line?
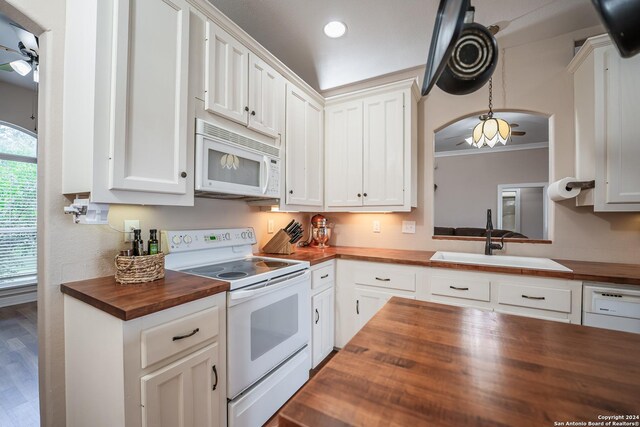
column 469, row 152
column 545, row 203
column 589, row 46
column 19, row 128
column 18, row 295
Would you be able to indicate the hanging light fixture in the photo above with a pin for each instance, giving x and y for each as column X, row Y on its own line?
column 490, row 130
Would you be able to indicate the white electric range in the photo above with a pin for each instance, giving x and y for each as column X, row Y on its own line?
column 268, row 316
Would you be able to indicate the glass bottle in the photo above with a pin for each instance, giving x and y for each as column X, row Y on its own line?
column 138, row 243
column 153, row 242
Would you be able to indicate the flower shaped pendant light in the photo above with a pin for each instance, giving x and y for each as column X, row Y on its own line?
column 490, row 130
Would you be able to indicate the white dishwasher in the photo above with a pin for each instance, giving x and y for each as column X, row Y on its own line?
column 611, row 307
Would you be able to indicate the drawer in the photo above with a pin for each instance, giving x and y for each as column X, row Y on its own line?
column 170, row 338
column 323, row 276
column 391, row 277
column 542, row 298
column 479, row 290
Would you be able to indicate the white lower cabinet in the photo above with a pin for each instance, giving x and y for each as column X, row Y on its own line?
column 362, row 288
column 178, row 394
column 369, row 301
column 322, row 311
column 323, row 307
column 539, row 297
column 164, row 369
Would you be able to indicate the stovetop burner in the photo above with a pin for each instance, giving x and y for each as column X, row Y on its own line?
column 238, row 269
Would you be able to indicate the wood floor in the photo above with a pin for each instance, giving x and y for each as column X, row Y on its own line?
column 273, row 421
column 19, row 404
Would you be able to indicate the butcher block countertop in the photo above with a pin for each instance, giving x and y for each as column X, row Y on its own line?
column 423, row 364
column 131, row 301
column 582, row 270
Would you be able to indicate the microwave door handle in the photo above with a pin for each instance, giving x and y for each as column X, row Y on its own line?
column 265, row 160
column 272, row 286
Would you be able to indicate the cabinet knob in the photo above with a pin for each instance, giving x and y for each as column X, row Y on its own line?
column 183, row 174
column 359, row 195
column 246, row 108
column 290, row 191
column 365, row 194
column 253, row 113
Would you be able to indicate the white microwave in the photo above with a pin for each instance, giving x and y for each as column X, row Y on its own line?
column 234, row 165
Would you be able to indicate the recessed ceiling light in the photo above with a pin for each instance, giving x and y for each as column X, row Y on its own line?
column 335, row 29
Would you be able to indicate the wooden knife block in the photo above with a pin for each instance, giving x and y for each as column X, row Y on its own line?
column 279, row 244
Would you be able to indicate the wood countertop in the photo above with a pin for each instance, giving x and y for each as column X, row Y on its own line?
column 131, row 301
column 418, row 363
column 582, row 270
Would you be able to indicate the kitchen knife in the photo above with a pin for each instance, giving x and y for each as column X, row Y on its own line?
column 297, row 236
column 297, row 227
column 287, row 228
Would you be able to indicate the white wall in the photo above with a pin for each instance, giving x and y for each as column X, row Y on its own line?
column 468, row 184
column 535, row 80
column 16, row 105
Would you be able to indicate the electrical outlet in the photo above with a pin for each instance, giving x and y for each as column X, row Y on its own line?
column 129, row 226
column 409, row 227
column 270, row 226
column 376, row 226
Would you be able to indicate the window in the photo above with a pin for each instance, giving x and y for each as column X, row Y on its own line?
column 17, row 206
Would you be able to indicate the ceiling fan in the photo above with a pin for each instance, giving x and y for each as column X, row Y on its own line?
column 26, row 54
column 513, row 133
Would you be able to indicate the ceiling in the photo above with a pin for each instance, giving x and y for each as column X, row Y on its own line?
column 9, row 39
column 535, row 126
column 384, row 36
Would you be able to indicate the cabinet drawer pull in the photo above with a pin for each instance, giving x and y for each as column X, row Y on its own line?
column 459, row 289
column 325, row 276
column 536, row 298
column 383, row 279
column 180, row 337
column 317, row 316
column 215, row 376
column 357, row 306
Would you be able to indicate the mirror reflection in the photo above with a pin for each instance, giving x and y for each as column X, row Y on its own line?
column 510, row 179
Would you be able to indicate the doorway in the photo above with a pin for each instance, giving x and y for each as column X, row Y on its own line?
column 19, row 396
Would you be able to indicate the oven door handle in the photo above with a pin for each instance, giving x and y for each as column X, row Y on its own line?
column 269, row 286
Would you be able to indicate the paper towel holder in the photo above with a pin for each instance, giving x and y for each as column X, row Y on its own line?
column 583, row 185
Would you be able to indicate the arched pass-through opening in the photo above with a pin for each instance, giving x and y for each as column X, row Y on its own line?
column 509, row 179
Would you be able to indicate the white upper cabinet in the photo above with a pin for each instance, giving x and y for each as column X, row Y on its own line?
column 126, row 124
column 149, row 137
column 227, row 75
column 304, row 150
column 383, row 183
column 371, row 149
column 239, row 85
column 343, row 159
column 266, row 97
column 606, row 93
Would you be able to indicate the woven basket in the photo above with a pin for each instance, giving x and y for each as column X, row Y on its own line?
column 139, row 269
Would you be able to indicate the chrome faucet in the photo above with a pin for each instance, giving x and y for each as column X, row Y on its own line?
column 489, row 247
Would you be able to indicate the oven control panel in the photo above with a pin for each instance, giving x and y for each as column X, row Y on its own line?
column 192, row 240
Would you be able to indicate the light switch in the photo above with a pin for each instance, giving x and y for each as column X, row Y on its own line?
column 270, row 226
column 376, row 226
column 409, row 227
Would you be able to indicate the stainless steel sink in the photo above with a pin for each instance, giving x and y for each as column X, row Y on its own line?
column 499, row 261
